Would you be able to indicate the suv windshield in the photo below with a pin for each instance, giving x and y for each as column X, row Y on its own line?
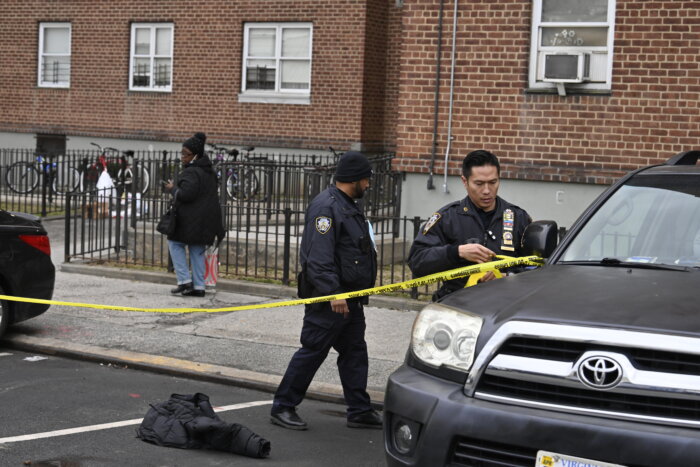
column 653, row 219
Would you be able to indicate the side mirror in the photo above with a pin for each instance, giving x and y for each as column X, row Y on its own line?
column 540, row 238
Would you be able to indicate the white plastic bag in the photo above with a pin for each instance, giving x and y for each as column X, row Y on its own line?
column 105, row 187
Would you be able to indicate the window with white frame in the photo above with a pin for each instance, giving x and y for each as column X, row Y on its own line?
column 151, row 61
column 572, row 44
column 54, row 55
column 277, row 63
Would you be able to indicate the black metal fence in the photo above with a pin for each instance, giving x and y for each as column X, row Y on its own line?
column 263, row 198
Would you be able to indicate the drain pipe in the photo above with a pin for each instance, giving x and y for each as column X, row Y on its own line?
column 436, row 105
column 452, row 92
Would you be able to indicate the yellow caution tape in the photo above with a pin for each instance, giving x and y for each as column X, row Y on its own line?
column 474, row 278
column 504, row 262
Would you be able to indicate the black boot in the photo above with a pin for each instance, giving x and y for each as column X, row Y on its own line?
column 287, row 417
column 181, row 288
column 193, row 293
column 369, row 419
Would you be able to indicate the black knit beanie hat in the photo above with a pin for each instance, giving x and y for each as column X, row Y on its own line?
column 352, row 166
column 196, row 144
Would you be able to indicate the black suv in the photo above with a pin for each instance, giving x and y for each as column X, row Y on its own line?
column 591, row 360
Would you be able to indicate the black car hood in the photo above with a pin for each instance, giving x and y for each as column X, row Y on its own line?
column 600, row 296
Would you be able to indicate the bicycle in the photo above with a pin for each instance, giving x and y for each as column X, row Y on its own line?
column 23, row 177
column 245, row 186
column 119, row 169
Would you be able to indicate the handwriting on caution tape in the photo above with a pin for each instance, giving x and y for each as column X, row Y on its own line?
column 503, row 263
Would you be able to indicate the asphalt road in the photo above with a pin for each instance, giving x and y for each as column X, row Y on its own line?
column 42, row 395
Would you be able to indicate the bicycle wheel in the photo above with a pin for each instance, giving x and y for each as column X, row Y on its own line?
column 66, row 180
column 245, row 188
column 22, row 177
column 143, row 179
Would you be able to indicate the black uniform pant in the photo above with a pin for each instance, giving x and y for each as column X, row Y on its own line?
column 347, row 337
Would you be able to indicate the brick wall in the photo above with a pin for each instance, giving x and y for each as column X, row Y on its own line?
column 653, row 111
column 373, row 82
column 207, row 73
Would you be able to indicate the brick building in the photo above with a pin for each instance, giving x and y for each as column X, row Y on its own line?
column 569, row 94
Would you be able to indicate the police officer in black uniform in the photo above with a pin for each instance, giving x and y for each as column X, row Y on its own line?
column 337, row 255
column 472, row 230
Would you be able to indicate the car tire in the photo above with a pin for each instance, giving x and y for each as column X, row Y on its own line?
column 4, row 313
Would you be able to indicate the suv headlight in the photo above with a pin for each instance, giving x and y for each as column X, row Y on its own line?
column 444, row 336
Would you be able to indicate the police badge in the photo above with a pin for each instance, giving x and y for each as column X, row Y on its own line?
column 323, row 224
column 431, row 222
column 508, row 220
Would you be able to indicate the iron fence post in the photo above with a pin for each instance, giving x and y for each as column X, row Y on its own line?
column 270, row 172
column 43, row 180
column 416, row 226
column 223, row 169
column 287, row 245
column 117, row 222
column 135, row 188
column 66, row 226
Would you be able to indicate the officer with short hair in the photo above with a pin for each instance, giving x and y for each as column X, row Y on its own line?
column 337, row 255
column 472, row 230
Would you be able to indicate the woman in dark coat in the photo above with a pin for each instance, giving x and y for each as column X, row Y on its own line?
column 198, row 216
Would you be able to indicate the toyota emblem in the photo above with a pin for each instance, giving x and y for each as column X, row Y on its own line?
column 600, row 372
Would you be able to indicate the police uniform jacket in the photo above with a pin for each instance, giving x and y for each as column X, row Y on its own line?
column 435, row 248
column 337, row 253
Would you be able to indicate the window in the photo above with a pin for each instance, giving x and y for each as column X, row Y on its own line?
column 151, row 63
column 54, row 55
column 277, row 63
column 572, row 43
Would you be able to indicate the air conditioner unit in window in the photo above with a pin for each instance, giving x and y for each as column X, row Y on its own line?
column 565, row 67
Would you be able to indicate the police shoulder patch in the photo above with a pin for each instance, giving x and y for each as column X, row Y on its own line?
column 431, row 222
column 323, row 224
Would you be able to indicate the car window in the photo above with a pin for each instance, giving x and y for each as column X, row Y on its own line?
column 652, row 219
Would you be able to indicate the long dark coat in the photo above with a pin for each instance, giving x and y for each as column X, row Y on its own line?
column 199, row 219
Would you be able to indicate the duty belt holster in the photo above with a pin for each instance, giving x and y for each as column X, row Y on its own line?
column 304, row 287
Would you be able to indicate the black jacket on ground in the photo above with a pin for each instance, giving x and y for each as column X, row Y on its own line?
column 195, row 196
column 189, row 422
column 435, row 248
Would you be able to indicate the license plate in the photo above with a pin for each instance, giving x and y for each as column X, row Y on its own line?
column 553, row 459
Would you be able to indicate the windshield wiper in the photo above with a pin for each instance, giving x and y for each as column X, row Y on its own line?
column 616, row 262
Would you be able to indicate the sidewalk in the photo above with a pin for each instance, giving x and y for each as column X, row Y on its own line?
column 249, row 348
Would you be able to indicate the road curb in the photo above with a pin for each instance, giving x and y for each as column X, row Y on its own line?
column 175, row 367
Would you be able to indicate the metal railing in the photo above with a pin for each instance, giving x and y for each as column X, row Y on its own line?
column 261, row 243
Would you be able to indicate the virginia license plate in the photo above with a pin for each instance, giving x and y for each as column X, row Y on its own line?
column 553, row 459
